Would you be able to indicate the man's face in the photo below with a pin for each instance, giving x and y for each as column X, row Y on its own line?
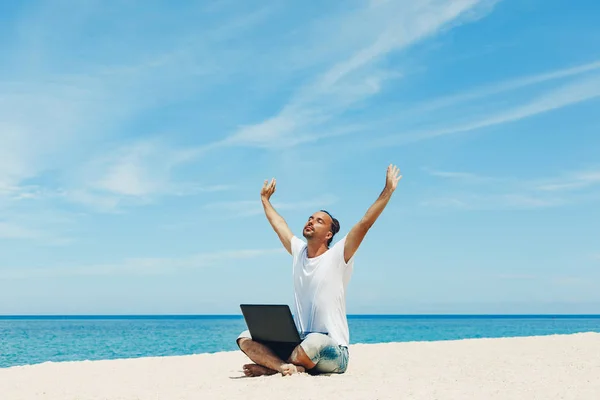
column 318, row 227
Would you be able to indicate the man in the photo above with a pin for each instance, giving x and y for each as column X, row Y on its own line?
column 321, row 275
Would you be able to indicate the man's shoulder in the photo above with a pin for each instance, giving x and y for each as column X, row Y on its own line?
column 336, row 248
column 298, row 241
column 338, row 251
column 340, row 243
column 297, row 244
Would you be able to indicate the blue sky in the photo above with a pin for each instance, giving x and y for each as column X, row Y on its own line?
column 135, row 139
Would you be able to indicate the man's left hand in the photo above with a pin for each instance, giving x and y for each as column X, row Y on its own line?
column 392, row 178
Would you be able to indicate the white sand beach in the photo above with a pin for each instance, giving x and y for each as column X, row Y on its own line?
column 545, row 367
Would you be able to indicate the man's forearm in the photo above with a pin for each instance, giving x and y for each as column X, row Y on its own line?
column 279, row 225
column 272, row 216
column 376, row 208
column 359, row 231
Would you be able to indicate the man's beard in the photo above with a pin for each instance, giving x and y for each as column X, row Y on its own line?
column 308, row 234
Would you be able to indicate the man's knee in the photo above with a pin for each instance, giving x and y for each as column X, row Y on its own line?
column 325, row 354
column 241, row 342
column 243, row 338
column 299, row 357
column 312, row 345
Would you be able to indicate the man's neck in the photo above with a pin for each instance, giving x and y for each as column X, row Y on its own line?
column 315, row 249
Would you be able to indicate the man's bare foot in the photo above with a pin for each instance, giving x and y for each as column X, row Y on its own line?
column 290, row 369
column 257, row 370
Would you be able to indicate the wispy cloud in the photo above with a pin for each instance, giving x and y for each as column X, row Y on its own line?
column 511, row 85
column 11, row 230
column 517, row 276
column 101, row 98
column 141, row 169
column 131, row 173
column 103, row 203
column 356, row 76
column 139, row 266
column 512, row 193
column 466, row 177
column 572, row 93
column 509, row 201
column 34, row 125
column 573, row 281
column 576, row 181
column 571, row 181
column 21, row 192
column 123, row 175
column 58, row 111
column 559, row 281
column 248, row 208
column 445, row 202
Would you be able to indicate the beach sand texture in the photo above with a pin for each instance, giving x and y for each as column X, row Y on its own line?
column 545, row 367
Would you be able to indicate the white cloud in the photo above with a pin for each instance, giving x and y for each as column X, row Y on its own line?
column 133, row 174
column 81, row 108
column 573, row 281
column 35, row 124
column 385, row 27
column 579, row 180
column 23, row 192
column 558, row 281
column 137, row 170
column 215, row 188
column 14, row 231
column 48, row 120
column 466, row 177
column 510, row 193
column 58, row 111
column 493, row 201
column 445, row 202
column 518, row 200
column 139, row 266
column 518, row 276
column 572, row 93
column 247, row 208
column 92, row 200
column 493, row 89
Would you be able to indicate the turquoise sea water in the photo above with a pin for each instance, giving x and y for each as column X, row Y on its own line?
column 32, row 340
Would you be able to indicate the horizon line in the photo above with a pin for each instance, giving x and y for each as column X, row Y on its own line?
column 239, row 315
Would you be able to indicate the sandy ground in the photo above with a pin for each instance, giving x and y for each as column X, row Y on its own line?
column 548, row 367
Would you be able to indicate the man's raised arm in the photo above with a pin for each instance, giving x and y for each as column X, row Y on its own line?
column 277, row 222
column 359, row 231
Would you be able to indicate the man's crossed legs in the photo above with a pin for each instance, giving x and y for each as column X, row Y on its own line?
column 317, row 353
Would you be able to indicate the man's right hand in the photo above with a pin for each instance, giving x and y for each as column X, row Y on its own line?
column 276, row 220
column 268, row 189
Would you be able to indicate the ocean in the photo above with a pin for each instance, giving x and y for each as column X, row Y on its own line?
column 36, row 339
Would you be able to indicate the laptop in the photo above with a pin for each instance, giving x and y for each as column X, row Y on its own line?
column 273, row 326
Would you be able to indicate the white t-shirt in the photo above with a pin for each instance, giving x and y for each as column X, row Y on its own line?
column 320, row 290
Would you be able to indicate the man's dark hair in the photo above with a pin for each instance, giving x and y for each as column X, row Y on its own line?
column 335, row 227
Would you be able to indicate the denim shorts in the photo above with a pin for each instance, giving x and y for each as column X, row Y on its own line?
column 328, row 356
